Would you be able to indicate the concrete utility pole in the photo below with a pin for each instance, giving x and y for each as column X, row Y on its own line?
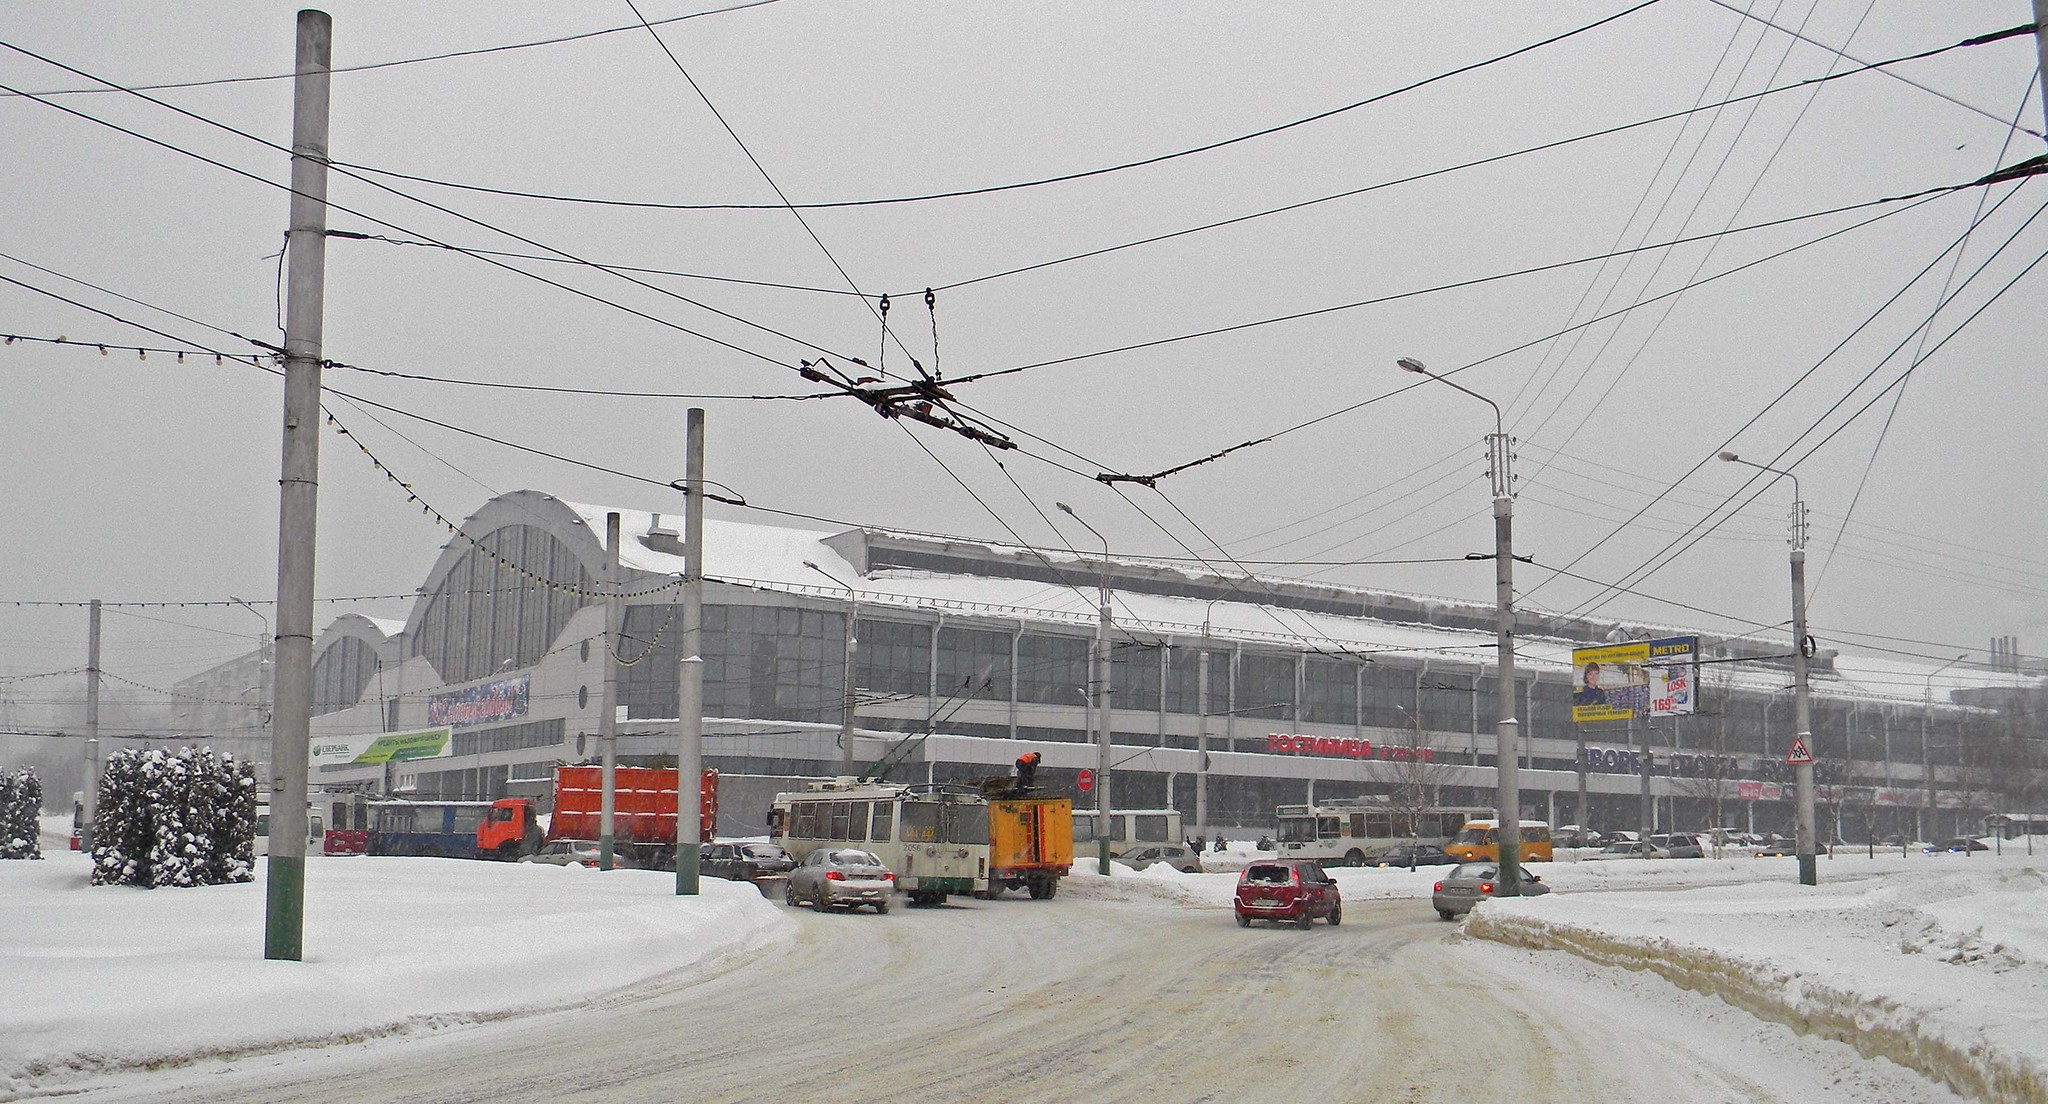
column 92, row 729
column 1930, row 830
column 1802, row 704
column 1202, row 735
column 1499, row 454
column 2041, row 50
column 284, row 916
column 608, row 713
column 1099, row 678
column 690, row 672
column 851, row 697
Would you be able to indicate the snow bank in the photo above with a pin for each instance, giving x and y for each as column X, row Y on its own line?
column 1938, row 963
column 106, row 978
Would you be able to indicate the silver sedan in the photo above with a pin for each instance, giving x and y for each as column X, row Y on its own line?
column 840, row 876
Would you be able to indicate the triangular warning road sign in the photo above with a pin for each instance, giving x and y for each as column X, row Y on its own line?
column 1799, row 753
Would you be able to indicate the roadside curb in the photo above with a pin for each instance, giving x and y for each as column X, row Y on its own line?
column 1875, row 1025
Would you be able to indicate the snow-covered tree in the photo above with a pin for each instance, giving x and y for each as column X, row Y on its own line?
column 183, row 818
column 21, row 799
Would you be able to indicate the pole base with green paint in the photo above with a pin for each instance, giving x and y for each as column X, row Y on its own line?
column 686, row 869
column 1102, row 855
column 284, row 909
column 1809, row 873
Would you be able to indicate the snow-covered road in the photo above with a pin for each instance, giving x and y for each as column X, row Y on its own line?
column 1108, row 993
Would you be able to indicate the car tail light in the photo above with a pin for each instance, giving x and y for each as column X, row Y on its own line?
column 1439, row 887
column 890, row 875
column 1486, row 887
column 835, row 876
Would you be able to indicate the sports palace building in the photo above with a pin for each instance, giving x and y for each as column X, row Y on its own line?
column 969, row 654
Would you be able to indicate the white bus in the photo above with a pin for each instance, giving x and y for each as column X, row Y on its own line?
column 1128, row 830
column 1355, row 831
column 934, row 837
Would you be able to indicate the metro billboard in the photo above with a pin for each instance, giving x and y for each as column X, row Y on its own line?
column 1643, row 678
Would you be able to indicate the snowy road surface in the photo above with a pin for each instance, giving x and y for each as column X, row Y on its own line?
column 1104, row 998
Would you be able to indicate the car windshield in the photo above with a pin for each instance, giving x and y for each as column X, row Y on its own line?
column 854, row 858
column 1266, row 874
column 764, row 851
column 1481, row 871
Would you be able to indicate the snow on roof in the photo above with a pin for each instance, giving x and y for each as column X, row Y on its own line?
column 776, row 557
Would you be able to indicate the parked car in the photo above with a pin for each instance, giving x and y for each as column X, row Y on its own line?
column 1472, row 883
column 1958, row 845
column 744, row 862
column 1172, row 854
column 844, row 876
column 1412, row 855
column 567, row 852
column 1287, row 889
column 1628, row 849
column 1573, row 835
column 1679, row 845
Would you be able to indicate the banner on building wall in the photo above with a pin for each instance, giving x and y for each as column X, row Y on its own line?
column 481, row 704
column 381, row 747
column 1644, row 678
column 1340, row 747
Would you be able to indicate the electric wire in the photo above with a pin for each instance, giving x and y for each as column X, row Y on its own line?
column 1021, row 184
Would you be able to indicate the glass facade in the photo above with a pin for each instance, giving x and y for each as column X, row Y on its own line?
column 341, row 674
column 895, row 657
column 759, row 661
column 1265, row 685
column 1052, row 669
column 1184, row 680
column 483, row 615
column 1134, row 674
column 1329, row 691
column 974, row 662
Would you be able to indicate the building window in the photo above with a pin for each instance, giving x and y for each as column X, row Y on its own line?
column 1134, row 674
column 1265, row 685
column 762, row 662
column 1052, row 669
column 895, row 657
column 1329, row 691
column 973, row 662
column 341, row 674
column 483, row 617
column 1184, row 680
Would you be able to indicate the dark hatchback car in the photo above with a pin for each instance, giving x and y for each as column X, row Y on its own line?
column 1959, row 845
column 1287, row 889
column 1412, row 855
column 744, row 862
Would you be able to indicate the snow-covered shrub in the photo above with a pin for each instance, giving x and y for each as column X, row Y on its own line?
column 182, row 818
column 21, row 799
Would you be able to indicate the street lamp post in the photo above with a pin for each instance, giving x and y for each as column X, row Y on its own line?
column 1506, row 725
column 852, row 652
column 1926, row 749
column 1802, row 708
column 263, row 646
column 1202, row 733
column 1100, row 679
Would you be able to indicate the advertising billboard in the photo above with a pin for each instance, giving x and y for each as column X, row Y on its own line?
column 491, row 701
column 381, row 747
column 1643, row 678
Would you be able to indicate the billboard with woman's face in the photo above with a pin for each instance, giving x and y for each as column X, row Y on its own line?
column 1643, row 678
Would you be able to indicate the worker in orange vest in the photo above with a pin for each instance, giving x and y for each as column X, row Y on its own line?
column 1027, row 770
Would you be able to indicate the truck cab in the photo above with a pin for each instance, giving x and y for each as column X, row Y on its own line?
column 510, row 832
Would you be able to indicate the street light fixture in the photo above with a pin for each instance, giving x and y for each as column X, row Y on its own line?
column 1802, row 709
column 1100, row 680
column 1509, row 800
column 852, row 651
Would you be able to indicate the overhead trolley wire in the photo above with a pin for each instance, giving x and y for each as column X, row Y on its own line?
column 1980, row 40
column 1021, row 184
column 375, row 65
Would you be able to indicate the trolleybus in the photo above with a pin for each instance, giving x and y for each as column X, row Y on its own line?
column 1355, row 831
column 935, row 837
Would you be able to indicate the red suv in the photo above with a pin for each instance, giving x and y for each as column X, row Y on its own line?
column 1287, row 889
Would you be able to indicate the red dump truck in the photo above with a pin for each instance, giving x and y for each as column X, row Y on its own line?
column 643, row 815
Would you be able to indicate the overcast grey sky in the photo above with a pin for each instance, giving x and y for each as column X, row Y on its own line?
column 133, row 479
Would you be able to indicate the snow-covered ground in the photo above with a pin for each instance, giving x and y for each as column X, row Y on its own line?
column 1937, row 962
column 108, row 978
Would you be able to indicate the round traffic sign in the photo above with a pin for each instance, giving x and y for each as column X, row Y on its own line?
column 1086, row 780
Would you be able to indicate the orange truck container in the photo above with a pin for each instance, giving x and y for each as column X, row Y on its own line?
column 643, row 814
column 1030, row 845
